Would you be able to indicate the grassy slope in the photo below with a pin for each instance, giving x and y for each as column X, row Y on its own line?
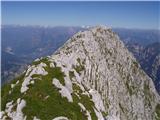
column 44, row 107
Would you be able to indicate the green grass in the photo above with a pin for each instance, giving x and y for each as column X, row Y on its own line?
column 6, row 97
column 85, row 100
column 79, row 67
column 55, row 73
column 76, row 88
column 52, row 72
column 55, row 105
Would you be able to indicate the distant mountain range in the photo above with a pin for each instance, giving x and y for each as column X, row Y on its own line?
column 23, row 44
column 34, row 41
column 139, row 36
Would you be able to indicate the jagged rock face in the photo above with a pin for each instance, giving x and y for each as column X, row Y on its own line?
column 92, row 77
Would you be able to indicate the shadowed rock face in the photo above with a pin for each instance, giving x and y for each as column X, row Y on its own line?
column 92, row 77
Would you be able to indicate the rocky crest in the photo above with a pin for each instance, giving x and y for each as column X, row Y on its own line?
column 92, row 77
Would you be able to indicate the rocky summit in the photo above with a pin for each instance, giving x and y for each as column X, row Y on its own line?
column 91, row 77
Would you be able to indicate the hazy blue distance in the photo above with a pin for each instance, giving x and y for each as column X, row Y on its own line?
column 115, row 14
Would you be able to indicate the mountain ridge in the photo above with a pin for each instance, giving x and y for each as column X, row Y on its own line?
column 94, row 73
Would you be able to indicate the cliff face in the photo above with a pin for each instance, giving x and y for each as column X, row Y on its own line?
column 93, row 76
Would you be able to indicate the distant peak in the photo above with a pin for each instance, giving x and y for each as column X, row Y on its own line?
column 101, row 27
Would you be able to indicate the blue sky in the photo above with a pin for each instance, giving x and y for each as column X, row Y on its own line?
column 144, row 15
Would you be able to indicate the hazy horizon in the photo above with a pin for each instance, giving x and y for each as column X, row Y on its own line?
column 129, row 15
column 20, row 25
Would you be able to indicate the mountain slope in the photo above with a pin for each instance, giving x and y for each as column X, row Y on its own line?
column 149, row 59
column 92, row 77
column 151, row 62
